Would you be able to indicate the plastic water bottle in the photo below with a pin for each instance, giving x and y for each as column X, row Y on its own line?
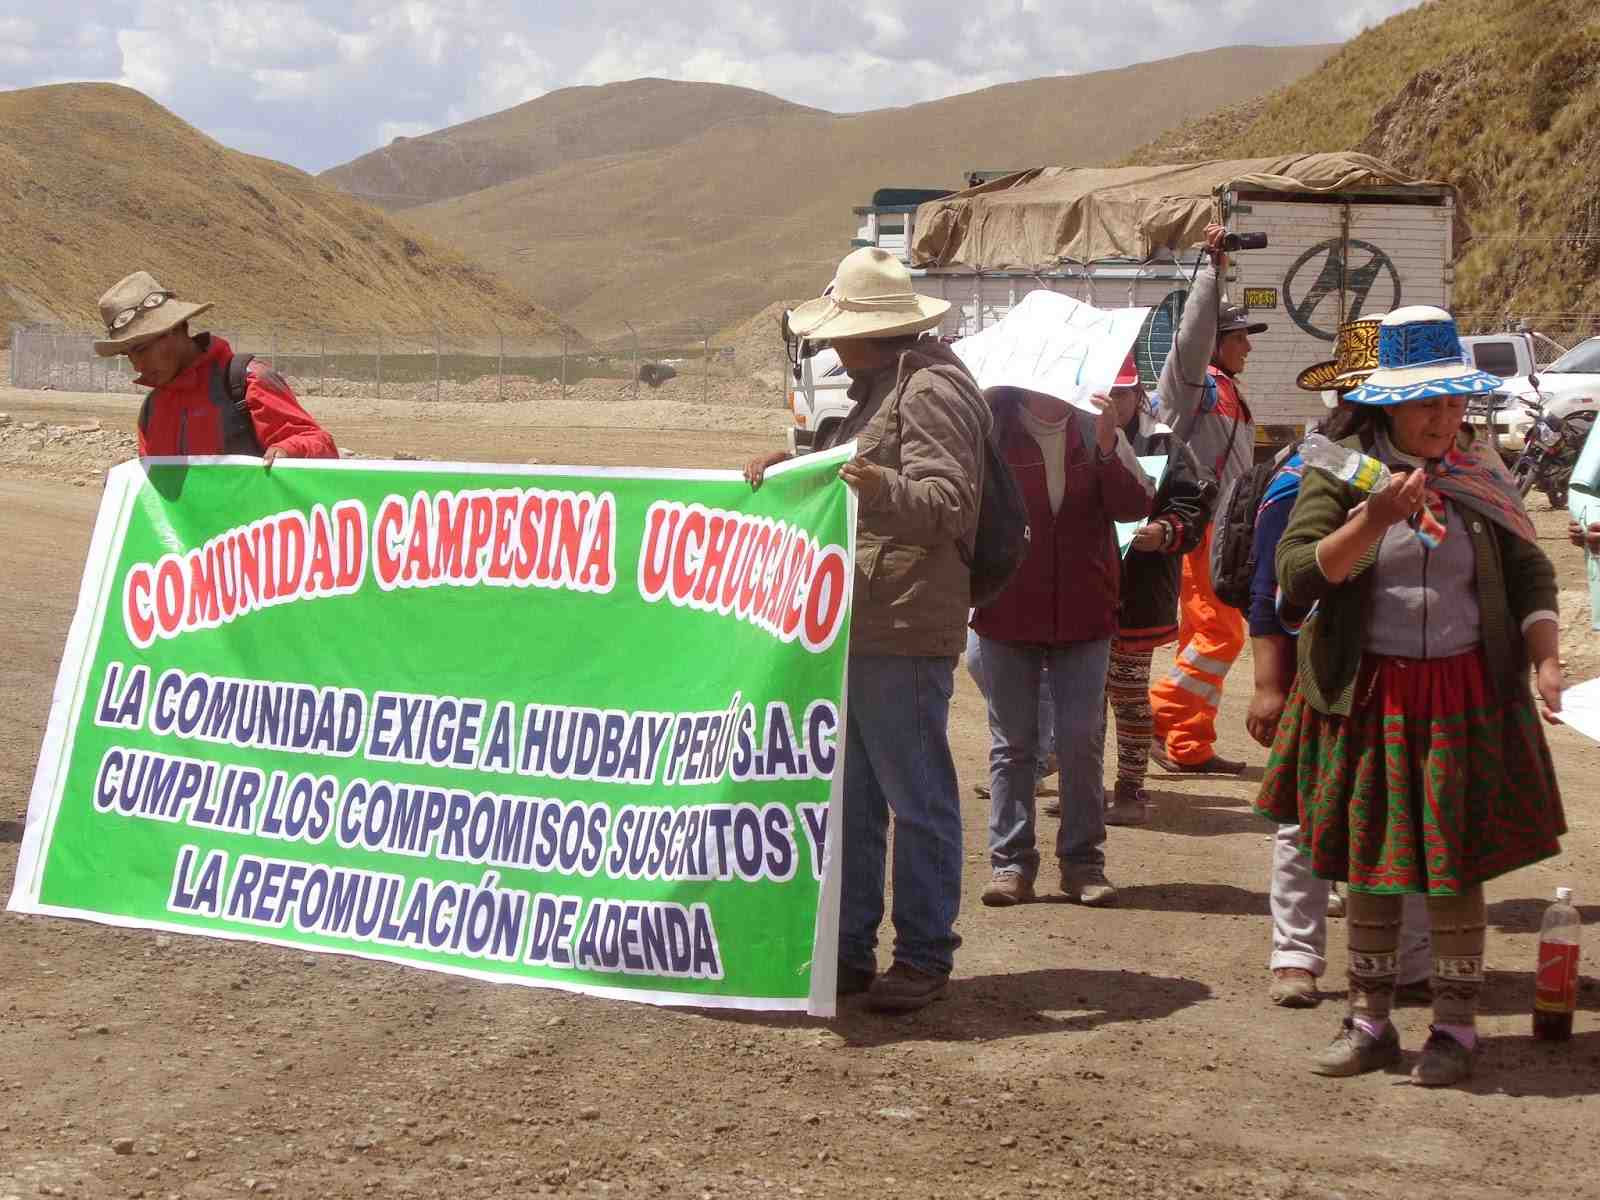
column 1355, row 468
column 1556, row 990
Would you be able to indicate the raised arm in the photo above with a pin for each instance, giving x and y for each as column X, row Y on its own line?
column 1183, row 375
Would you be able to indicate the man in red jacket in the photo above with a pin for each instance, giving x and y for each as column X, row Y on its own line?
column 191, row 408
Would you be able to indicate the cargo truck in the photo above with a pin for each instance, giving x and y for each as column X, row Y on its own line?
column 1346, row 235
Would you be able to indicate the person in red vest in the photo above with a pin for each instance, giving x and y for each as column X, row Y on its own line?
column 193, row 406
column 1078, row 476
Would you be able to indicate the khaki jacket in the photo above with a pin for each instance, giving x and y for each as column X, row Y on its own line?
column 925, row 421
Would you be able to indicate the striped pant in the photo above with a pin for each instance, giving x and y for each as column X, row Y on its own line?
column 1128, row 691
column 1210, row 637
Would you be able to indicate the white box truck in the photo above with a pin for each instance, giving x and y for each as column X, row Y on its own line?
column 1346, row 235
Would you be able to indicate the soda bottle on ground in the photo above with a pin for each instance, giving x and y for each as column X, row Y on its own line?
column 1556, row 989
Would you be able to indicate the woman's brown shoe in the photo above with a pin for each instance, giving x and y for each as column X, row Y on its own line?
column 1444, row 1061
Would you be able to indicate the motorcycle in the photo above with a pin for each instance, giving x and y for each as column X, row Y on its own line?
column 1561, row 425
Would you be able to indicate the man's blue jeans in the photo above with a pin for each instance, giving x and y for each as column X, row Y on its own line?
column 897, row 759
column 1077, row 682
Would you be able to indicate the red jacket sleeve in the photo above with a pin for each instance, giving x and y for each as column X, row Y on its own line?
column 279, row 418
column 1125, row 490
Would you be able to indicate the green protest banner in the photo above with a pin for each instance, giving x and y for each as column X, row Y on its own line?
column 567, row 728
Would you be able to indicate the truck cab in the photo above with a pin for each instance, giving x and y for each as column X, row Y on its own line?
column 817, row 397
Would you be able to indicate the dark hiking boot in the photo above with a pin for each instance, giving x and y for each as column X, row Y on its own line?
column 905, row 989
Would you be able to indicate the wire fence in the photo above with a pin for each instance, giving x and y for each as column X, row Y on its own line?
column 1553, row 333
column 691, row 363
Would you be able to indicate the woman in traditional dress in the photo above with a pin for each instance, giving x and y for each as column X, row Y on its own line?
column 1410, row 751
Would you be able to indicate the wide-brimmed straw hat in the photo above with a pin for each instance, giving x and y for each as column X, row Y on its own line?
column 136, row 310
column 870, row 297
column 1355, row 357
column 1420, row 357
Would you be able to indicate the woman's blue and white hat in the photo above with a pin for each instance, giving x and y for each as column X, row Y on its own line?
column 1420, row 357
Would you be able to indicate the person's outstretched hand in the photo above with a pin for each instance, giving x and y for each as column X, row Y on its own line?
column 756, row 469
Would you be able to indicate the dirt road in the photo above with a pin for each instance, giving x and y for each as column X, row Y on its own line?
column 1118, row 1053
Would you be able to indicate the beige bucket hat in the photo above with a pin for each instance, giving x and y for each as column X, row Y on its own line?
column 136, row 310
column 870, row 297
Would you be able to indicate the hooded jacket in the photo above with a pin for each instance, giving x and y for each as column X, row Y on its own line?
column 1150, row 578
column 924, row 421
column 194, row 414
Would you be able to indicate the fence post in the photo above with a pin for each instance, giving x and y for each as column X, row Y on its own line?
column 436, row 364
column 380, row 364
column 634, row 334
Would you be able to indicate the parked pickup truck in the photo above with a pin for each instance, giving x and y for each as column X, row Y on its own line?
column 1509, row 355
column 1570, row 383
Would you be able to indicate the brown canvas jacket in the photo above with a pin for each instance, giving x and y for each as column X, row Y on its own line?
column 925, row 421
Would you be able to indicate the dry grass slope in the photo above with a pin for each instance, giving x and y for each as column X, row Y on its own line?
column 722, row 223
column 577, row 122
column 1501, row 99
column 97, row 180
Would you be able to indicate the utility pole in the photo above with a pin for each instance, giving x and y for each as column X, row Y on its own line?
column 635, row 334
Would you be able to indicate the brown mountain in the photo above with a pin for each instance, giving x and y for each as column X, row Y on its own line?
column 743, row 211
column 97, row 181
column 572, row 123
column 1503, row 100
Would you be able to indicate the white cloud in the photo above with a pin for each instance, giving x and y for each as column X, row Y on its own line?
column 314, row 81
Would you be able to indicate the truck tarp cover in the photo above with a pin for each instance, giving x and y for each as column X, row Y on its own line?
column 1036, row 220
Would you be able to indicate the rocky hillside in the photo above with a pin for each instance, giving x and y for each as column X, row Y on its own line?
column 97, row 181
column 1502, row 99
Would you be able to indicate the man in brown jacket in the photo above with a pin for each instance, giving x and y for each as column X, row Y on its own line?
column 919, row 425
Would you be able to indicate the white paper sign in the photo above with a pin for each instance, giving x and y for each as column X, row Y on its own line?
column 1054, row 344
column 1580, row 708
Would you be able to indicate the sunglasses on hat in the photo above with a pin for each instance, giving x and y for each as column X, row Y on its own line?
column 153, row 300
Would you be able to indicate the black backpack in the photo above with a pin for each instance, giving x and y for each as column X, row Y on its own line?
column 1001, row 541
column 1233, row 532
column 227, row 393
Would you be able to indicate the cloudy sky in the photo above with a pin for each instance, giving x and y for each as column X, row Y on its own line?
column 318, row 82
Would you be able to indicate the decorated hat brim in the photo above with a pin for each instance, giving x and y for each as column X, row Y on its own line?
column 1318, row 377
column 1383, row 389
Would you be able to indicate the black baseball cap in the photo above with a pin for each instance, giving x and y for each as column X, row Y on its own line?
column 1234, row 318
